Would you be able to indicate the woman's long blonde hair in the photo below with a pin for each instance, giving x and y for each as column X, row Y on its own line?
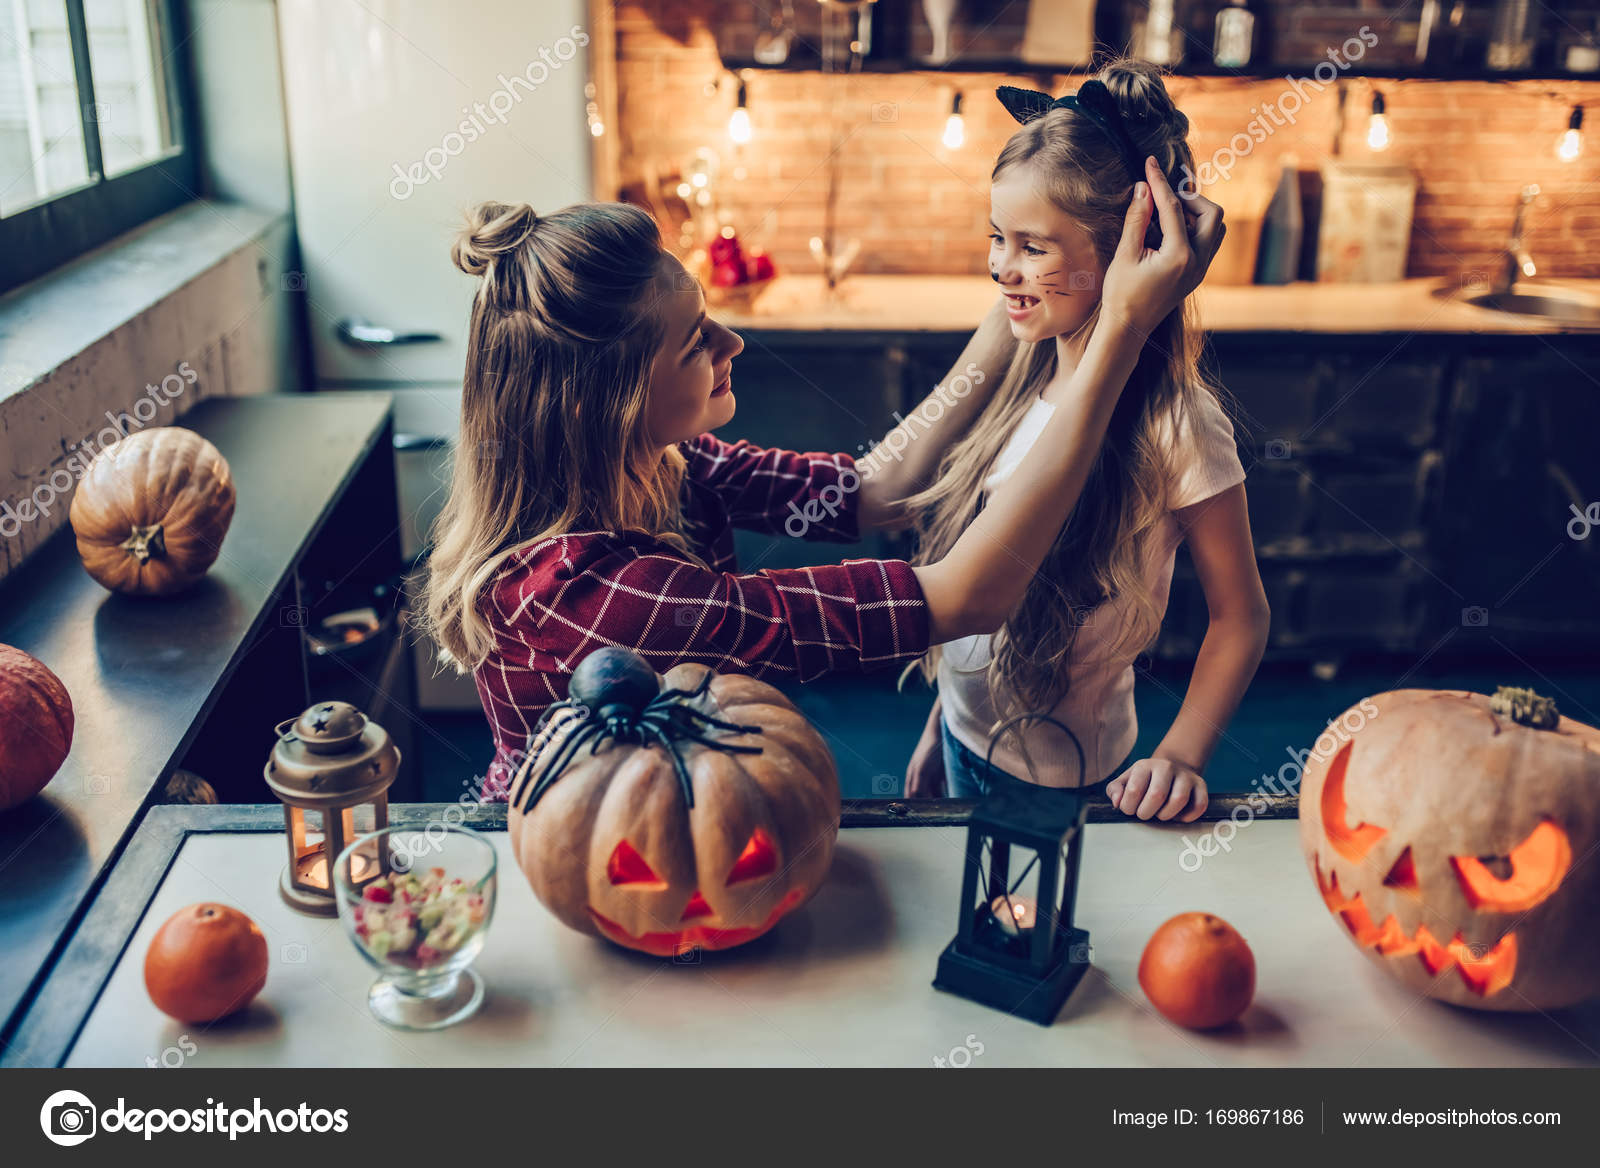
column 1099, row 553
column 553, row 436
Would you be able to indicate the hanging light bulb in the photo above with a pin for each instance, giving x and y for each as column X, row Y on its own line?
column 1570, row 144
column 955, row 126
column 1378, row 127
column 591, row 109
column 739, row 123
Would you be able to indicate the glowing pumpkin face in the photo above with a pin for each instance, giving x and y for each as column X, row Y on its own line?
column 613, row 849
column 1442, row 829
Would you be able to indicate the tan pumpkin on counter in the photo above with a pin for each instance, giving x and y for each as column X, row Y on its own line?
column 152, row 510
column 1447, row 833
column 693, row 811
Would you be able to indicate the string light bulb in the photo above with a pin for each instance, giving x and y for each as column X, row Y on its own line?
column 1378, row 127
column 591, row 110
column 955, row 126
column 1570, row 144
column 739, row 122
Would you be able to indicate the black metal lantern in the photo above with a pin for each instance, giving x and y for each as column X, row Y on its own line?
column 1019, row 954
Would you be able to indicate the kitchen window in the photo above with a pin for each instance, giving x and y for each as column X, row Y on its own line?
column 92, row 133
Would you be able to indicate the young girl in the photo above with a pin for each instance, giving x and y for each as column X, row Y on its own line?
column 1168, row 471
column 590, row 507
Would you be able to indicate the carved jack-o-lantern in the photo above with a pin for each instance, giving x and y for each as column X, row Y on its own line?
column 1447, row 833
column 693, row 811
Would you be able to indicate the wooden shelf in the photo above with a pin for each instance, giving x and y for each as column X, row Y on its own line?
column 1016, row 67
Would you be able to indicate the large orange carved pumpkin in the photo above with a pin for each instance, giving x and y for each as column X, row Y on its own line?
column 151, row 511
column 1447, row 833
column 670, row 814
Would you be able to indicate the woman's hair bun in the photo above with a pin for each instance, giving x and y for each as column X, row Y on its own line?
column 491, row 231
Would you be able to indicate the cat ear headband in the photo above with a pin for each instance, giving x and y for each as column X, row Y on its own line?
column 1094, row 101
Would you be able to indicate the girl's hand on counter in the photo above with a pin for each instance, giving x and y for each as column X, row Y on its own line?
column 1161, row 788
column 925, row 771
column 1143, row 285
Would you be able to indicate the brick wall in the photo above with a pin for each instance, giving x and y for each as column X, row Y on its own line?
column 920, row 208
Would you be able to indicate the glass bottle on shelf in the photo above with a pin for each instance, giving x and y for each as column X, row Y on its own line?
column 1157, row 34
column 1236, row 28
column 1514, row 35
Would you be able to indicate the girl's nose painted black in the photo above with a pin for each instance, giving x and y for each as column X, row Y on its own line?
column 994, row 275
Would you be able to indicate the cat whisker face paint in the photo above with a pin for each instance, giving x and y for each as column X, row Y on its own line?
column 1042, row 259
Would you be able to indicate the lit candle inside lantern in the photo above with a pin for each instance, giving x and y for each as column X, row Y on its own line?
column 312, row 869
column 1015, row 915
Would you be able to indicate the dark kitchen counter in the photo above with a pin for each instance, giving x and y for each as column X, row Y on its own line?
column 145, row 673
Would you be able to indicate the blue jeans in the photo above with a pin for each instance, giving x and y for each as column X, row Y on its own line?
column 966, row 777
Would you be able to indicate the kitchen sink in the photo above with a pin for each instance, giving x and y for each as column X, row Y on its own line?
column 1553, row 304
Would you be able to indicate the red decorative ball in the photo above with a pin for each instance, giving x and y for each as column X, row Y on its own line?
column 760, row 266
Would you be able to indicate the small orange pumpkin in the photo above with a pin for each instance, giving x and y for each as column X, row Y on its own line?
column 1445, row 831
column 703, row 835
column 152, row 510
column 35, row 726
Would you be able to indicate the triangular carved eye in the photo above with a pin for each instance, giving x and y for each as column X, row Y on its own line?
column 1403, row 873
column 1538, row 865
column 758, row 859
column 627, row 866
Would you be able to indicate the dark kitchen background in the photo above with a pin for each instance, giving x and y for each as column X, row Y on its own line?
column 1405, row 317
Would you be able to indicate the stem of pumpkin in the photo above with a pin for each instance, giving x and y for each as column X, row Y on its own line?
column 145, row 542
column 1525, row 707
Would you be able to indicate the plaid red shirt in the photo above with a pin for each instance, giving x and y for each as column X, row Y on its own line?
column 555, row 601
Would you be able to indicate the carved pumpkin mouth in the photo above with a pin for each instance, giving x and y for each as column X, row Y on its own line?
column 706, row 936
column 1483, row 973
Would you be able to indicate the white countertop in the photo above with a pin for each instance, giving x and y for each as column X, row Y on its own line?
column 915, row 304
column 844, row 981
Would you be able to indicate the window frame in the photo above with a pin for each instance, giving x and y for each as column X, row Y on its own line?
column 62, row 227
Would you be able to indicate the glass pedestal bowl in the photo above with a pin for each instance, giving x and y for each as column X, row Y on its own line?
column 416, row 902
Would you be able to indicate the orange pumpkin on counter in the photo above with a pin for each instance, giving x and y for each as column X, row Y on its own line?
column 1445, row 829
column 672, row 814
column 152, row 511
column 37, row 721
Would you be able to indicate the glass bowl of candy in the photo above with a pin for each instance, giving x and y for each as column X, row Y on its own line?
column 416, row 901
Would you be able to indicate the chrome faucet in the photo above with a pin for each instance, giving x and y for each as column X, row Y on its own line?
column 1515, row 261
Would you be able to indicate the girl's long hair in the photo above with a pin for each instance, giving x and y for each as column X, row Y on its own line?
column 1099, row 553
column 553, row 438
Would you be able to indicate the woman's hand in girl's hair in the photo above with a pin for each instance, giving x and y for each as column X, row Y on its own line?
column 1142, row 284
column 1161, row 788
column 1203, row 220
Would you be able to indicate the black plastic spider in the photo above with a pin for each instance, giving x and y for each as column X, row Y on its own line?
column 618, row 696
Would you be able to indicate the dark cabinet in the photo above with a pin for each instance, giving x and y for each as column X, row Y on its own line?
column 1409, row 494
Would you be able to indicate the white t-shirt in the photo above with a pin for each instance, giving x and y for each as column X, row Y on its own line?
column 1098, row 706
